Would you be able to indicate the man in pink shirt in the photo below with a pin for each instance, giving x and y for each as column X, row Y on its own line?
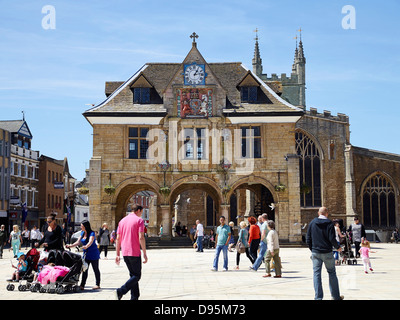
column 130, row 236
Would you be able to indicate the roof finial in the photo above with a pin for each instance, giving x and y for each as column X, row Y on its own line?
column 256, row 31
column 194, row 36
column 23, row 115
column 300, row 30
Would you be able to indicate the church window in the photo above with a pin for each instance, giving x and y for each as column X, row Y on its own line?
column 141, row 95
column 310, row 171
column 138, row 143
column 195, row 143
column 251, row 142
column 379, row 203
column 249, row 94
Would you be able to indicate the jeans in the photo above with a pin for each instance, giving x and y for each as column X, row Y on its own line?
column 218, row 249
column 263, row 249
column 199, row 243
column 134, row 265
column 325, row 258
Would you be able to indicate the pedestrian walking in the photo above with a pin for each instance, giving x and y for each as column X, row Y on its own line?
column 25, row 237
column 254, row 237
column 15, row 240
column 53, row 237
column 199, row 236
column 365, row 251
column 243, row 238
column 232, row 239
column 223, row 236
column 357, row 231
column 90, row 252
column 272, row 251
column 320, row 239
column 3, row 239
column 130, row 236
column 263, row 243
column 104, row 239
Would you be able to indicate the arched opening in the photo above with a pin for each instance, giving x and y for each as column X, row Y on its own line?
column 140, row 192
column 193, row 201
column 251, row 199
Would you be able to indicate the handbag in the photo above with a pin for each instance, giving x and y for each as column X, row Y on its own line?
column 240, row 247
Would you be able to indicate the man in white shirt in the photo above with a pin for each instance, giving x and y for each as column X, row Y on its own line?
column 35, row 236
column 199, row 236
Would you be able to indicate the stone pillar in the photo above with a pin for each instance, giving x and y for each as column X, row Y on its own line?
column 95, row 205
column 350, row 186
column 154, row 227
column 224, row 212
column 293, row 214
column 166, row 222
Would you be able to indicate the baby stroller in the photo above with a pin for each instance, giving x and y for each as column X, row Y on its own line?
column 64, row 276
column 347, row 253
column 26, row 278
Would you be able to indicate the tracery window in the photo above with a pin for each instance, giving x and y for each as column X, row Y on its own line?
column 310, row 171
column 379, row 209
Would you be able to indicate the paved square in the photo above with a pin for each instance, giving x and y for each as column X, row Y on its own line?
column 183, row 274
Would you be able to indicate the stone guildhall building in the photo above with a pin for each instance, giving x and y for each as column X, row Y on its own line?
column 210, row 139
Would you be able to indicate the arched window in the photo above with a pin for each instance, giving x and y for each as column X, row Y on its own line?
column 310, row 171
column 379, row 203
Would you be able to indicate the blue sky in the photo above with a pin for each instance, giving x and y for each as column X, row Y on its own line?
column 53, row 74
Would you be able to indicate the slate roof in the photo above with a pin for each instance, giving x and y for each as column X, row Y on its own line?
column 159, row 75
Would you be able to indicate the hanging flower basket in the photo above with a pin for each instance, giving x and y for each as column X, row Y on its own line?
column 83, row 191
column 305, row 188
column 109, row 189
column 165, row 190
column 280, row 188
column 225, row 189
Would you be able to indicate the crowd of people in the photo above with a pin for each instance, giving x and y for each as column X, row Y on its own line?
column 257, row 240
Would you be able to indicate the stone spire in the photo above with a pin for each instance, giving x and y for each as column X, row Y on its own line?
column 257, row 61
column 299, row 68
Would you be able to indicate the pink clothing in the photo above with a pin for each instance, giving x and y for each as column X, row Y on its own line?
column 365, row 252
column 50, row 274
column 128, row 230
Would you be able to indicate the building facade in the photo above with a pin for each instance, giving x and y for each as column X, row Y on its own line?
column 51, row 186
column 5, row 173
column 24, row 168
column 211, row 139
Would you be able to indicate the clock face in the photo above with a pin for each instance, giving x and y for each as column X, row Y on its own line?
column 194, row 74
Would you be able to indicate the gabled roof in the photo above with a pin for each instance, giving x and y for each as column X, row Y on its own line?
column 165, row 76
column 17, row 126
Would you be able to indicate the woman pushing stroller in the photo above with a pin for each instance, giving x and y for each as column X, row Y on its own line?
column 91, row 253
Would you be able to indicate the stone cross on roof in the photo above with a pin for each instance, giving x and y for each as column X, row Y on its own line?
column 194, row 36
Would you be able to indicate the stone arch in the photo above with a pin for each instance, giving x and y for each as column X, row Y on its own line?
column 188, row 184
column 126, row 189
column 201, row 182
column 252, row 183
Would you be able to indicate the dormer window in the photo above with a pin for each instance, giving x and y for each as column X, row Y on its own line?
column 141, row 95
column 249, row 94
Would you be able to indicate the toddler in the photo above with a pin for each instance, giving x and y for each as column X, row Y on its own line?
column 365, row 251
column 21, row 267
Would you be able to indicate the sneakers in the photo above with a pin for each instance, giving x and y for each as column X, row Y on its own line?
column 213, row 269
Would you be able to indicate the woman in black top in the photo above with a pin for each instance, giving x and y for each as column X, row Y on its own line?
column 53, row 237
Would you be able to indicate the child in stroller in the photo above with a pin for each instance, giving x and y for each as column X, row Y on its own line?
column 27, row 264
column 62, row 276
